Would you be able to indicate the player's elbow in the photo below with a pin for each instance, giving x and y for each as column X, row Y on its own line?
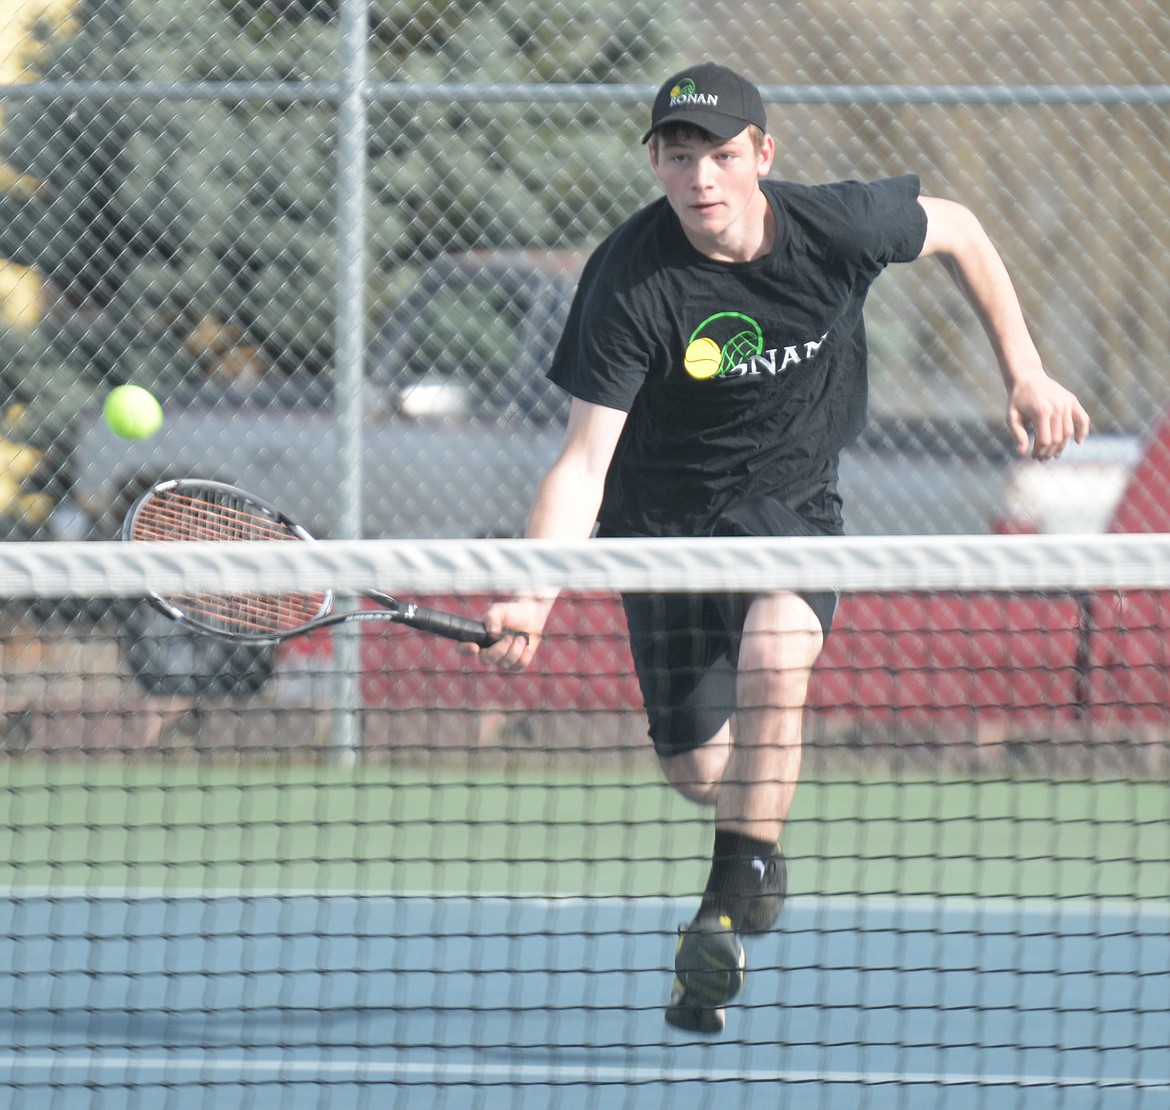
column 953, row 231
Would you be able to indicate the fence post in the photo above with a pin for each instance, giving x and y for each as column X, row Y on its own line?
column 352, row 123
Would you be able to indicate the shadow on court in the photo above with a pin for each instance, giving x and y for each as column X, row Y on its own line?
column 307, row 1000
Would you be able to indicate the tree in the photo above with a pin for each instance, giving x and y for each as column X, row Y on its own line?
column 174, row 219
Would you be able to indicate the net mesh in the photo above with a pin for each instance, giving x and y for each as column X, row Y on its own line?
column 210, row 899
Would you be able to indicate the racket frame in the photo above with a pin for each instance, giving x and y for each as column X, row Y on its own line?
column 436, row 621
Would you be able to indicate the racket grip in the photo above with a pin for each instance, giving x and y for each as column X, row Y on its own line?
column 449, row 625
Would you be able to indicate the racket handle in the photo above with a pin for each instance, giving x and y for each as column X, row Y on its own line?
column 449, row 625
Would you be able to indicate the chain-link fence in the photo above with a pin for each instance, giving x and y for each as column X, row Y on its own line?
column 337, row 237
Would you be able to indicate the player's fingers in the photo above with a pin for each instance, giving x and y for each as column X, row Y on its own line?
column 1081, row 423
column 1047, row 438
column 1050, row 441
column 1059, row 427
column 513, row 651
column 525, row 644
column 1018, row 427
column 1048, row 424
column 493, row 624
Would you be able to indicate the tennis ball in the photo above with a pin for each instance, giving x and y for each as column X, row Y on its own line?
column 132, row 412
column 702, row 358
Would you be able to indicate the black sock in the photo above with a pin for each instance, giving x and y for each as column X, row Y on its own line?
column 732, row 855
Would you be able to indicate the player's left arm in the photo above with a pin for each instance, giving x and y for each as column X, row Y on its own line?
column 1055, row 416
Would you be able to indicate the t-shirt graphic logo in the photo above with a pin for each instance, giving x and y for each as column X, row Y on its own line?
column 721, row 343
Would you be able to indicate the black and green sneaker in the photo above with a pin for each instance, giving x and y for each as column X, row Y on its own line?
column 708, row 973
column 759, row 901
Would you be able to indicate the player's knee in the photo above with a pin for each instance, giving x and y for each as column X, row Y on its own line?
column 696, row 774
column 702, row 793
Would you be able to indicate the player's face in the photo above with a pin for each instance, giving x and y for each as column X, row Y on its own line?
column 714, row 189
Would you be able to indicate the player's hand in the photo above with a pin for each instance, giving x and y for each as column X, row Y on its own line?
column 519, row 624
column 1051, row 412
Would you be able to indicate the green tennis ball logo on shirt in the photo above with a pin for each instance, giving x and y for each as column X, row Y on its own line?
column 721, row 343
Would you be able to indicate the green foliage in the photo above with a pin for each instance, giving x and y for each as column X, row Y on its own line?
column 187, row 209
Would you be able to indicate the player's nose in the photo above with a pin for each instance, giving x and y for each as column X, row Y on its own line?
column 703, row 174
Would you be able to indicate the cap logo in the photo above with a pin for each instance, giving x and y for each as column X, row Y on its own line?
column 684, row 93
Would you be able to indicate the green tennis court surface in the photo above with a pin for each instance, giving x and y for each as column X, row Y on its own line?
column 385, row 829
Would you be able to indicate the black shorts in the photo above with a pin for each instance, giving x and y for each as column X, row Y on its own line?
column 685, row 649
column 686, row 646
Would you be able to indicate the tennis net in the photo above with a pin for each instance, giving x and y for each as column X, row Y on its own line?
column 358, row 869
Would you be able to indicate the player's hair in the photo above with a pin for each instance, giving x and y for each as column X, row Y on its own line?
column 674, row 132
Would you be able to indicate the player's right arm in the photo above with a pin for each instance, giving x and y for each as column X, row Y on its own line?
column 1035, row 401
column 565, row 507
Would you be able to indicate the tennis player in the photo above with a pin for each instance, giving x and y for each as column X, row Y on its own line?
column 716, row 358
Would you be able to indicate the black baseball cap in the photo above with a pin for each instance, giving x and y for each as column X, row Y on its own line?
column 709, row 96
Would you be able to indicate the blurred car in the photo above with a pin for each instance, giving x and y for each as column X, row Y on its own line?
column 1076, row 493
column 458, row 421
column 475, row 337
column 921, row 477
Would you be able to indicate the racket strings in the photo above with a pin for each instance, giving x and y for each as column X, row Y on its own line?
column 179, row 515
column 212, row 516
column 253, row 614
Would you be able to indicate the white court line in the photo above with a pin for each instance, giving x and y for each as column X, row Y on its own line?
column 1157, row 909
column 249, row 1070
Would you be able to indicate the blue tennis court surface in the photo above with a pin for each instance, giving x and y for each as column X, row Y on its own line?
column 313, row 1001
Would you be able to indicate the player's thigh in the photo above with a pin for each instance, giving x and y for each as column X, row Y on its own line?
column 782, row 638
column 682, row 657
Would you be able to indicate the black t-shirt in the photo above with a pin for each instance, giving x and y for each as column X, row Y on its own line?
column 741, row 380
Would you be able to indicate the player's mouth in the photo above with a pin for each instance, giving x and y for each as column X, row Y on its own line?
column 705, row 209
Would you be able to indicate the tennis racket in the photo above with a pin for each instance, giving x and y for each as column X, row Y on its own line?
column 192, row 509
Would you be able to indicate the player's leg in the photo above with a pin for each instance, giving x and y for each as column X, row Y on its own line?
column 682, row 655
column 748, row 767
column 758, row 761
column 684, row 649
column 782, row 638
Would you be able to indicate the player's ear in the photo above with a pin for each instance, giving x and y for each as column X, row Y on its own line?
column 765, row 155
column 652, row 150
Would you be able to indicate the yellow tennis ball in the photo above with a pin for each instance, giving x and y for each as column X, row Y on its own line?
column 132, row 412
column 703, row 358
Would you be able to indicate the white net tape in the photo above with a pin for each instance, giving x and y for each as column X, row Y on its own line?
column 1008, row 563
